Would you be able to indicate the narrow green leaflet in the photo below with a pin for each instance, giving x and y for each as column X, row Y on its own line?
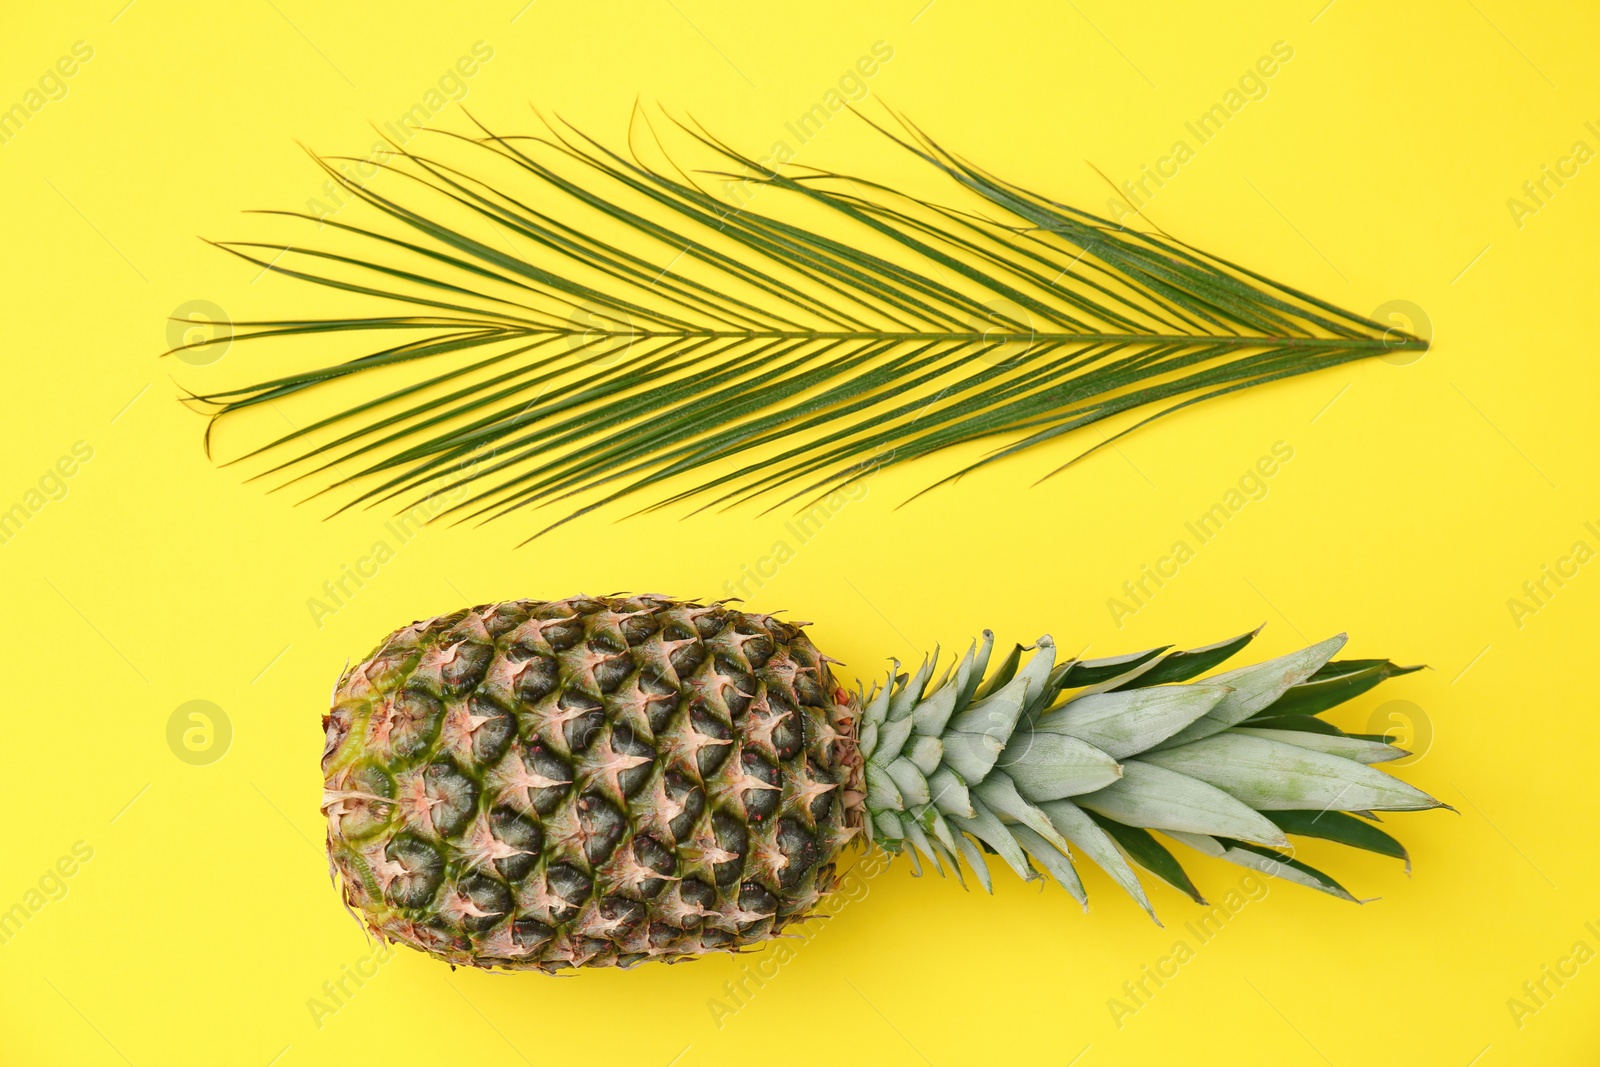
column 1340, row 827
column 1280, row 866
column 1182, row 666
column 1302, row 723
column 1150, row 854
column 1335, row 683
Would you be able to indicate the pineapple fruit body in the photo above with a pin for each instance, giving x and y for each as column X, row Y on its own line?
column 589, row 782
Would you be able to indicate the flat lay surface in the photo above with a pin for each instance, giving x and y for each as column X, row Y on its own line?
column 173, row 629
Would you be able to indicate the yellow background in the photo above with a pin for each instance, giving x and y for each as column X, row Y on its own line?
column 1377, row 168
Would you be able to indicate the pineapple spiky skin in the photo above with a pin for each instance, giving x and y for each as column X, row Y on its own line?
column 589, row 782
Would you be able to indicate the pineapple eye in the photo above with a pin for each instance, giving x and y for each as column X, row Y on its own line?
column 611, row 673
column 487, row 895
column 661, row 698
column 466, row 667
column 336, row 727
column 625, row 742
column 529, row 934
column 548, row 765
column 685, row 658
column 390, row 665
column 696, row 892
column 538, row 679
column 823, row 803
column 413, row 723
column 637, row 630
column 684, row 792
column 563, row 634
column 807, row 688
column 605, row 641
column 654, row 855
column 490, row 739
column 420, row 871
column 759, row 649
column 759, row 803
column 602, row 827
column 629, row 912
column 788, row 731
column 757, row 898
column 454, row 798
column 504, row 618
column 588, row 716
column 655, row 683
column 444, row 623
column 799, row 847
column 714, row 939
column 740, row 679
column 512, row 828
column 711, row 755
column 802, row 652
column 711, row 623
column 732, row 837
column 572, row 886
column 362, row 815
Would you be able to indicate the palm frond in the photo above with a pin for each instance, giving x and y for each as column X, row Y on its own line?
column 568, row 322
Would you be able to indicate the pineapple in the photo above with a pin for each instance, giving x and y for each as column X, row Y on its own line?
column 601, row 781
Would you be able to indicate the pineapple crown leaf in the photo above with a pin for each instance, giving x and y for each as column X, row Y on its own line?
column 1035, row 759
column 556, row 320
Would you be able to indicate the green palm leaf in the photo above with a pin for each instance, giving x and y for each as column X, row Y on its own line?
column 568, row 323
